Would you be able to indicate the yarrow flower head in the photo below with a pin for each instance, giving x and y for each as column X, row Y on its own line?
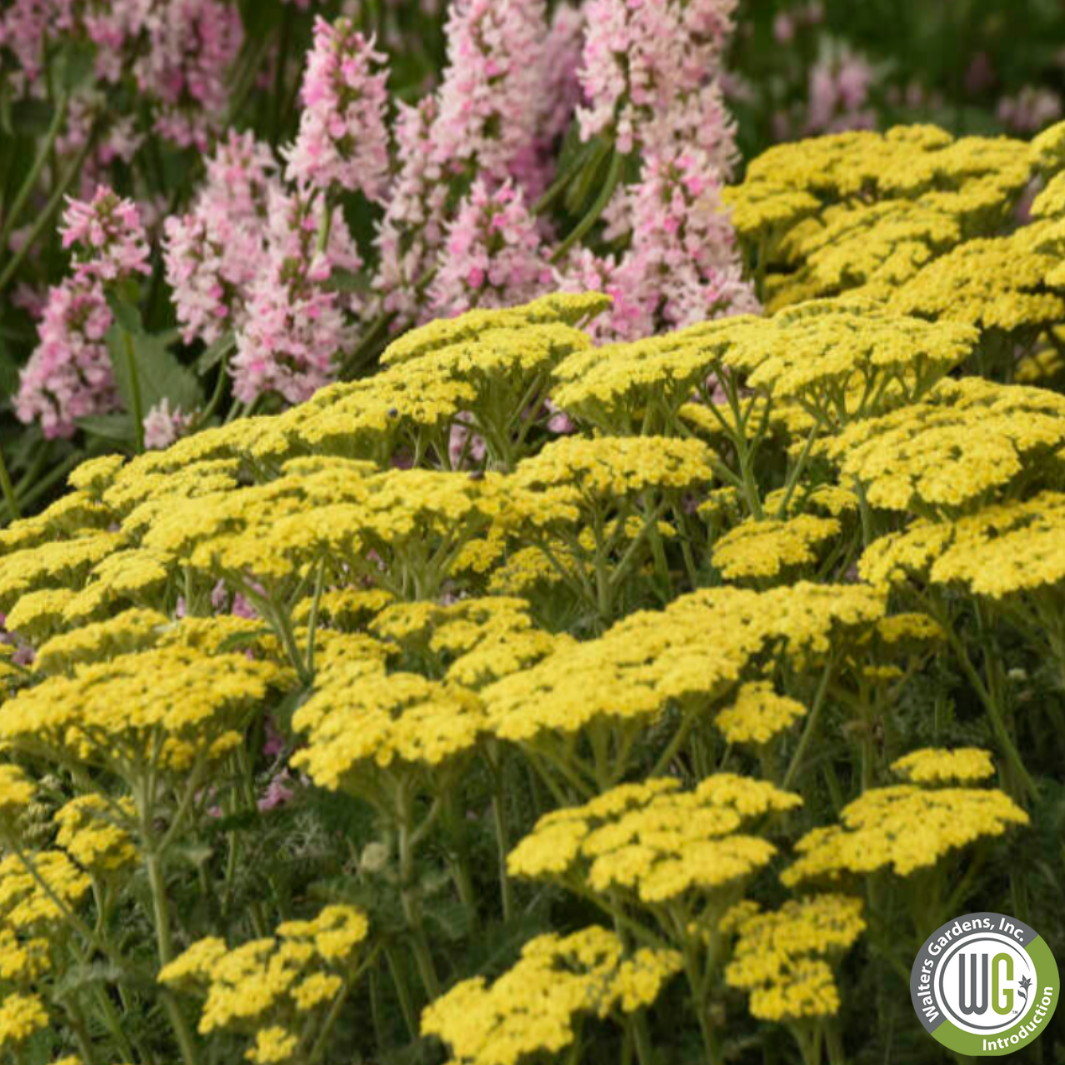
column 783, row 957
column 903, row 828
column 535, row 1007
column 934, row 766
column 342, row 140
column 654, row 842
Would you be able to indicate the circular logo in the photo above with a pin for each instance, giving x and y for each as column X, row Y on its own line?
column 984, row 984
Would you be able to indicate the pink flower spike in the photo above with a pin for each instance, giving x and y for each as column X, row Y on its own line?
column 343, row 139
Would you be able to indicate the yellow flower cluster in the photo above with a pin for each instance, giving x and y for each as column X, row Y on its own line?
column 694, row 652
column 39, row 888
column 20, row 1017
column 995, row 283
column 170, row 705
column 783, row 957
column 967, row 441
column 934, row 766
column 537, row 1005
column 92, row 831
column 23, row 960
column 758, row 714
column 1006, row 549
column 304, row 967
column 766, row 549
column 473, row 641
column 822, row 351
column 904, row 828
column 577, row 469
column 653, row 840
column 16, row 790
column 358, row 717
column 865, row 212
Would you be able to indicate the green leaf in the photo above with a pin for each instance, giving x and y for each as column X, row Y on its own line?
column 590, row 179
column 75, row 65
column 118, row 427
column 126, row 313
column 218, row 351
column 96, row 972
column 159, row 373
column 31, row 118
column 240, row 641
column 348, row 281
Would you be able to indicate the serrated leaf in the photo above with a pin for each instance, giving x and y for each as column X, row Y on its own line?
column 450, row 918
column 159, row 373
column 96, row 972
column 196, row 855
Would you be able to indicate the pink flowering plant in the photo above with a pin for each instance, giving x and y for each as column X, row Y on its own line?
column 254, row 199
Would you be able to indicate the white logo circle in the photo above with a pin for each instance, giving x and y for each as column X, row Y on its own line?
column 985, row 982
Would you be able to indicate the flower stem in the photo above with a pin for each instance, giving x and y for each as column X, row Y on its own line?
column 8, row 489
column 58, row 121
column 135, row 391
column 44, row 219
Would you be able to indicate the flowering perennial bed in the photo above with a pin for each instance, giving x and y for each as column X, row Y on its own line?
column 403, row 723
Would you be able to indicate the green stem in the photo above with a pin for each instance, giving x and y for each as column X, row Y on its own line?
column 645, row 1052
column 326, row 1029
column 165, row 949
column 353, row 363
column 406, row 1003
column 994, row 712
column 44, row 219
column 506, row 892
column 135, row 390
column 460, row 862
column 558, row 186
column 811, row 726
column 316, row 606
column 8, row 488
column 694, row 972
column 58, row 120
column 412, row 910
